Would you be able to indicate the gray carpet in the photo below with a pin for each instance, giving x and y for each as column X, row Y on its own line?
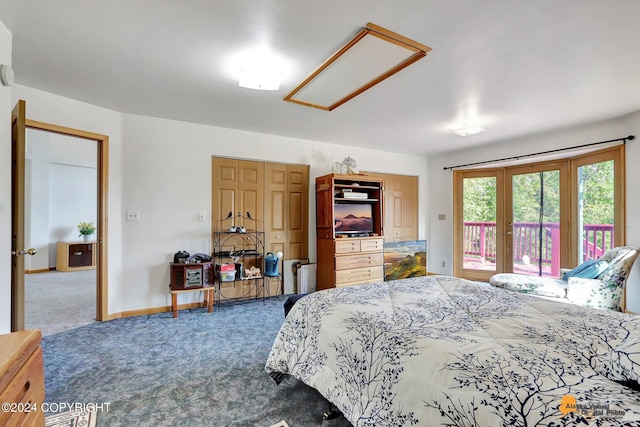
column 198, row 370
column 57, row 301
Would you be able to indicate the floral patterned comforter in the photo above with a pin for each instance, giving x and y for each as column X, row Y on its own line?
column 438, row 350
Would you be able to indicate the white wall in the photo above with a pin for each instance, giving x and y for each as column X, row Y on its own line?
column 440, row 189
column 73, row 199
column 5, row 187
column 167, row 177
column 163, row 169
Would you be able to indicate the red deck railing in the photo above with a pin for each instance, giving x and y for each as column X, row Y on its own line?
column 480, row 241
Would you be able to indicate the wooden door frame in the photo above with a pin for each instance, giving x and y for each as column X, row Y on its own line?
column 568, row 211
column 102, row 306
column 17, row 214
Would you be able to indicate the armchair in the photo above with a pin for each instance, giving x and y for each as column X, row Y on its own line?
column 606, row 291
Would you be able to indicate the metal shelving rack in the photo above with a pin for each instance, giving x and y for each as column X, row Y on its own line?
column 239, row 239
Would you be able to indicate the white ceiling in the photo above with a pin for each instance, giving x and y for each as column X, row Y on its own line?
column 514, row 67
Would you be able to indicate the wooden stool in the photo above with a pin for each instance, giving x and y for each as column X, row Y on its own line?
column 208, row 297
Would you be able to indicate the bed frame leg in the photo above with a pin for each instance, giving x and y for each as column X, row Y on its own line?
column 331, row 413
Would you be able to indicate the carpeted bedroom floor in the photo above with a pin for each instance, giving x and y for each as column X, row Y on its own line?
column 200, row 369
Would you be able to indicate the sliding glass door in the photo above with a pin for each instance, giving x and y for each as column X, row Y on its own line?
column 537, row 218
column 599, row 208
column 478, row 235
column 533, row 214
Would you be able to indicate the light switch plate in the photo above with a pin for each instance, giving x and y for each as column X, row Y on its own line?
column 133, row 216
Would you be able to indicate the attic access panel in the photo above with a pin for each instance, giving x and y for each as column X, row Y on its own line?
column 370, row 57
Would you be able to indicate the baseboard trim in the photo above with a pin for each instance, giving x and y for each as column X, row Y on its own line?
column 152, row 310
column 41, row 270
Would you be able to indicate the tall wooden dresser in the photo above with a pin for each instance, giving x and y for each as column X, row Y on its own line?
column 21, row 379
column 349, row 230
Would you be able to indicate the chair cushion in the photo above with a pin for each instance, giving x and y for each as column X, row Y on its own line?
column 594, row 293
column 535, row 285
column 606, row 292
column 590, row 269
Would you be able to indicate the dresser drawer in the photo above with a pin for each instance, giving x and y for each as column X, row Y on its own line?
column 347, row 246
column 80, row 255
column 359, row 275
column 26, row 388
column 346, row 262
column 371, row 245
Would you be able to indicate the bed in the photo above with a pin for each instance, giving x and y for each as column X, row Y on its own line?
column 438, row 350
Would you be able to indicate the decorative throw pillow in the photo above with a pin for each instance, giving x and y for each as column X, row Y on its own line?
column 590, row 269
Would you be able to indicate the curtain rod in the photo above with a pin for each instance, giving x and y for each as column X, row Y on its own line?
column 624, row 140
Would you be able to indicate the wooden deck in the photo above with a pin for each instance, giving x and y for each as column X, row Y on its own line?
column 475, row 263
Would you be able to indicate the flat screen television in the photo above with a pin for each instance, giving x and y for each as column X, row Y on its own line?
column 353, row 218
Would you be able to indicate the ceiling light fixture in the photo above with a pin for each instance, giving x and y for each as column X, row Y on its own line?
column 370, row 57
column 466, row 130
column 259, row 79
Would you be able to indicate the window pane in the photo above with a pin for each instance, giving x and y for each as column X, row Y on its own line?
column 596, row 209
column 479, row 222
column 536, row 223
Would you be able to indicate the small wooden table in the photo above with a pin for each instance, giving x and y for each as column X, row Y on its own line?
column 208, row 297
column 74, row 256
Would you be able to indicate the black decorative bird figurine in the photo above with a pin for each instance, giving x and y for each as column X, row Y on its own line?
column 249, row 215
column 230, row 215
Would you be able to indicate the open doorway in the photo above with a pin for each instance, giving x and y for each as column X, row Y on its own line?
column 19, row 124
column 60, row 193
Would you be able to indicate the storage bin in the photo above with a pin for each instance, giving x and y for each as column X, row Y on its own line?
column 226, row 276
column 225, row 267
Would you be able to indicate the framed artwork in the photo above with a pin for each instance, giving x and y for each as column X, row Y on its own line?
column 405, row 259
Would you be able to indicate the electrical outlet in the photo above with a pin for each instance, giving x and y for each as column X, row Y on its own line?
column 133, row 216
column 202, row 216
